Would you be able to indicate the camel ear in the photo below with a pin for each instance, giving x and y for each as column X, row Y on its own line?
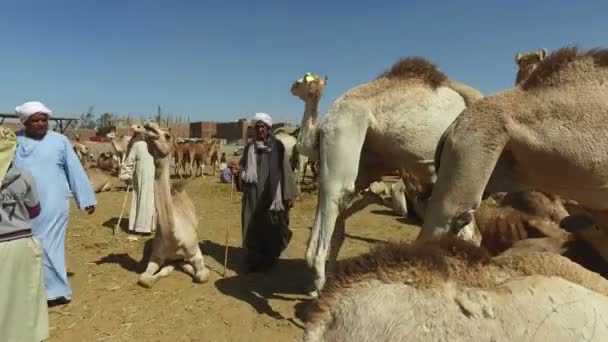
column 542, row 53
column 462, row 220
column 518, row 57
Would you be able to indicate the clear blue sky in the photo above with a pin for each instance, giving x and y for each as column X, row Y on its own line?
column 220, row 60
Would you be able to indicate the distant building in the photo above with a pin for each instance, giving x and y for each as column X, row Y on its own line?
column 237, row 131
column 231, row 131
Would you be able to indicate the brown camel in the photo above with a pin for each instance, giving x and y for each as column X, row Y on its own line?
column 176, row 240
column 551, row 128
column 182, row 158
column 527, row 62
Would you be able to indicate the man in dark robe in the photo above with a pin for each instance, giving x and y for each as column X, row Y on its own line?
column 268, row 186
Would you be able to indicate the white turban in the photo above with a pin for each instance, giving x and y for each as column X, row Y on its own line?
column 265, row 118
column 30, row 108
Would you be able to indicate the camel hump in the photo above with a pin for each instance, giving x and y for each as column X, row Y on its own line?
column 469, row 94
column 178, row 187
column 416, row 68
column 561, row 59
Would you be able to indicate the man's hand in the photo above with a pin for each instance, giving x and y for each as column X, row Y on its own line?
column 90, row 209
column 288, row 204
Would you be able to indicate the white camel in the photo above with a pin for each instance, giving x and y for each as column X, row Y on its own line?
column 296, row 158
column 176, row 240
column 453, row 291
column 391, row 123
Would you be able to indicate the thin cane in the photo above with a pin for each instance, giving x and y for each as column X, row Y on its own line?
column 226, row 242
column 124, row 202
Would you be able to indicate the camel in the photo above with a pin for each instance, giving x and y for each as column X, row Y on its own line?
column 451, row 290
column 297, row 160
column 182, row 158
column 119, row 145
column 549, row 128
column 527, row 62
column 82, row 151
column 101, row 174
column 176, row 239
column 391, row 123
column 100, row 179
column 200, row 153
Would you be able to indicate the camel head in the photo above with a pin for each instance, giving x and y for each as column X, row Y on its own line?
column 527, row 62
column 111, row 135
column 160, row 142
column 138, row 129
column 309, row 87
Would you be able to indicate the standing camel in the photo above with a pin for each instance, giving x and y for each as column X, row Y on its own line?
column 552, row 129
column 391, row 123
column 176, row 239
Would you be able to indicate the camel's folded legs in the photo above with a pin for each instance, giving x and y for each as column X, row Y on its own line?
column 195, row 267
column 149, row 277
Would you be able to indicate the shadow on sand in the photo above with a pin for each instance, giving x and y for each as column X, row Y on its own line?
column 127, row 262
column 287, row 281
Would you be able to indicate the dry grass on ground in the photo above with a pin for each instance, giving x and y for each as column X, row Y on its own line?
column 108, row 305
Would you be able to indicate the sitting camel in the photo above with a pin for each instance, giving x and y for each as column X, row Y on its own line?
column 391, row 123
column 101, row 174
column 451, row 290
column 101, row 180
column 176, row 239
column 550, row 128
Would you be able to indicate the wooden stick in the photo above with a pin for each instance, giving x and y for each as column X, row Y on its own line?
column 226, row 241
column 122, row 210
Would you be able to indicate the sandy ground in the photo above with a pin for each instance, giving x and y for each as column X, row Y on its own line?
column 108, row 305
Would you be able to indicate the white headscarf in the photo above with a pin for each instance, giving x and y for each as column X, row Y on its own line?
column 265, row 118
column 8, row 143
column 30, row 108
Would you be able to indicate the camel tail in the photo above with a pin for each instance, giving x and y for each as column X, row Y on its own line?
column 469, row 94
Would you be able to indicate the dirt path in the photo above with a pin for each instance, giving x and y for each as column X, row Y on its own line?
column 108, row 305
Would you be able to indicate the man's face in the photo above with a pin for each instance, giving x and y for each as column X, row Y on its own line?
column 261, row 131
column 37, row 125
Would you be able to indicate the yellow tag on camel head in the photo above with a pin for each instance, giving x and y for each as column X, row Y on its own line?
column 308, row 77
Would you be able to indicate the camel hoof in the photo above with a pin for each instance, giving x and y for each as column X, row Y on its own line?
column 314, row 294
column 145, row 281
column 202, row 276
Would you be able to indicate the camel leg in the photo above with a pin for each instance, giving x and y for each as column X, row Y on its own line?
column 337, row 239
column 340, row 151
column 149, row 277
column 339, row 235
column 195, row 267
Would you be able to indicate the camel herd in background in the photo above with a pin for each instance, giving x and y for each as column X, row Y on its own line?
column 510, row 190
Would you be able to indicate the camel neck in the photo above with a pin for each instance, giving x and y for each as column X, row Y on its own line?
column 162, row 196
column 310, row 113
